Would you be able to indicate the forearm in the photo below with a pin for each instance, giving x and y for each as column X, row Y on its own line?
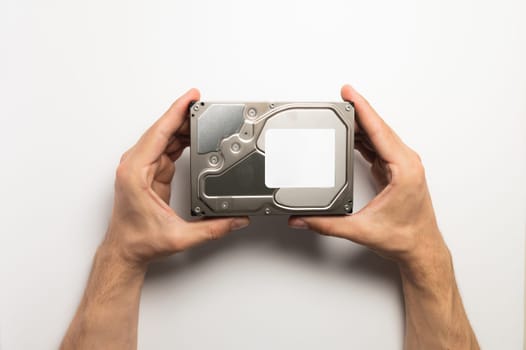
column 435, row 315
column 107, row 316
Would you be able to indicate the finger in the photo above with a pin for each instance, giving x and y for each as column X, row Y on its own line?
column 177, row 144
column 366, row 153
column 357, row 128
column 362, row 137
column 365, row 146
column 165, row 171
column 347, row 227
column 381, row 172
column 176, row 155
column 385, row 141
column 184, row 129
column 153, row 143
column 210, row 229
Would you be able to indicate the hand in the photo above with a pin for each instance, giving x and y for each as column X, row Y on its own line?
column 399, row 223
column 143, row 226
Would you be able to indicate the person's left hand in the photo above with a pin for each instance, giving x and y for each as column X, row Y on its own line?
column 143, row 226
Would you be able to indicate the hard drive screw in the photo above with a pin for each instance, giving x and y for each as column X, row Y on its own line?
column 272, row 105
column 197, row 210
column 196, row 107
column 214, row 160
column 348, row 108
column 347, row 207
column 235, row 147
column 224, row 205
column 267, row 211
column 252, row 112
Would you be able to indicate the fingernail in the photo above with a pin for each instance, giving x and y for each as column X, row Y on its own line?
column 298, row 224
column 239, row 223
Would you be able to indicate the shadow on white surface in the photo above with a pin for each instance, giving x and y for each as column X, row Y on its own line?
column 306, row 247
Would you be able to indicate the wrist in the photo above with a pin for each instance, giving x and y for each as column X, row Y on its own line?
column 110, row 256
column 110, row 303
column 428, row 264
column 122, row 244
column 112, row 281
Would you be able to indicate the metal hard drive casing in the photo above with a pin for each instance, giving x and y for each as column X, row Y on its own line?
column 227, row 158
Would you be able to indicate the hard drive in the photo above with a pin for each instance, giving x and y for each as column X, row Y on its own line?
column 259, row 158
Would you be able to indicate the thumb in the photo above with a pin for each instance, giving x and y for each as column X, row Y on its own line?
column 347, row 227
column 209, row 229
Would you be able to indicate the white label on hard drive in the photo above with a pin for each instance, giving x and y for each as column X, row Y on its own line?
column 299, row 158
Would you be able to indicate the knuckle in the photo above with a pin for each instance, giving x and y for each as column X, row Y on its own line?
column 418, row 167
column 124, row 156
column 160, row 132
column 415, row 171
column 212, row 233
column 417, row 156
column 123, row 173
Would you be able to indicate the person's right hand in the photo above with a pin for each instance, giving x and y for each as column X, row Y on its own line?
column 143, row 226
column 399, row 223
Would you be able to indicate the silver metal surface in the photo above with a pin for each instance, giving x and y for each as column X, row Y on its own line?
column 225, row 137
column 215, row 123
column 310, row 118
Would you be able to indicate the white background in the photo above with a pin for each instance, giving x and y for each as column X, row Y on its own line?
column 80, row 81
